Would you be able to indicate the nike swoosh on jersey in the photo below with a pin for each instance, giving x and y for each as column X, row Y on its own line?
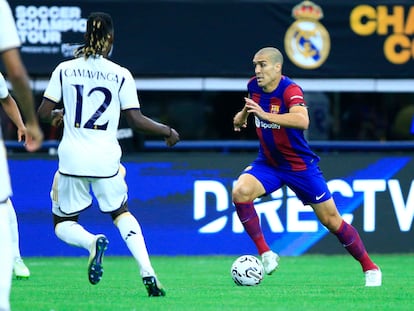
column 318, row 197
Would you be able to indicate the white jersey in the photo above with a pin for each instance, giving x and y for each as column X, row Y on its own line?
column 5, row 186
column 4, row 92
column 9, row 37
column 94, row 91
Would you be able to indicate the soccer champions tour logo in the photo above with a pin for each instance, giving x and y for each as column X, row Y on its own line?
column 41, row 27
column 393, row 22
column 307, row 42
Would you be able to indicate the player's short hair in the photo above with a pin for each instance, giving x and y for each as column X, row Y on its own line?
column 274, row 54
column 98, row 36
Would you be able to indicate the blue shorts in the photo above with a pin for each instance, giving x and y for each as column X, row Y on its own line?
column 309, row 185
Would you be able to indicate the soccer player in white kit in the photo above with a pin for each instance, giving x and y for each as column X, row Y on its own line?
column 8, row 221
column 94, row 92
column 17, row 75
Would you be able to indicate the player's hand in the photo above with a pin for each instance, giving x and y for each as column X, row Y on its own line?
column 21, row 134
column 57, row 117
column 240, row 121
column 33, row 137
column 172, row 139
column 253, row 107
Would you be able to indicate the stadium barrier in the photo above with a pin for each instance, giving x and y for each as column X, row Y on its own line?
column 233, row 145
column 182, row 198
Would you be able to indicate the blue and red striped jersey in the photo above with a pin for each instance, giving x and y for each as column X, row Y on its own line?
column 281, row 147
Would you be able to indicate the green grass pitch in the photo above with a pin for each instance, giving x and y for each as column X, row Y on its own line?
column 305, row 283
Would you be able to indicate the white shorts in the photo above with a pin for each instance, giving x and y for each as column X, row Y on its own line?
column 5, row 185
column 70, row 195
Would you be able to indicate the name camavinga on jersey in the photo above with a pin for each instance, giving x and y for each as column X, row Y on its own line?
column 96, row 75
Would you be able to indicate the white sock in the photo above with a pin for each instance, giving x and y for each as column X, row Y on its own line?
column 74, row 234
column 14, row 229
column 6, row 258
column 131, row 233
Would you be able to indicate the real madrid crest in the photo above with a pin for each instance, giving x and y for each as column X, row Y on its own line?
column 307, row 42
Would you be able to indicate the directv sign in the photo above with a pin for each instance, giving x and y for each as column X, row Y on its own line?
column 184, row 206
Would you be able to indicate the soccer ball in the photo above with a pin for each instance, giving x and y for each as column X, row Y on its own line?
column 247, row 270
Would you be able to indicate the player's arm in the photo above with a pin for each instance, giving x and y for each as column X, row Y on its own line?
column 19, row 79
column 48, row 114
column 12, row 111
column 240, row 119
column 297, row 117
column 141, row 123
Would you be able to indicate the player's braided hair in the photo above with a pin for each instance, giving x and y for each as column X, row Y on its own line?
column 99, row 30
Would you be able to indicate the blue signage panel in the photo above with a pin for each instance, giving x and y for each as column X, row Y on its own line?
column 183, row 203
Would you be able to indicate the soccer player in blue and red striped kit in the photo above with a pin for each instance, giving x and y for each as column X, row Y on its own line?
column 285, row 158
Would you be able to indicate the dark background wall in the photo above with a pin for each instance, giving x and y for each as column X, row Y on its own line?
column 176, row 49
column 219, row 38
